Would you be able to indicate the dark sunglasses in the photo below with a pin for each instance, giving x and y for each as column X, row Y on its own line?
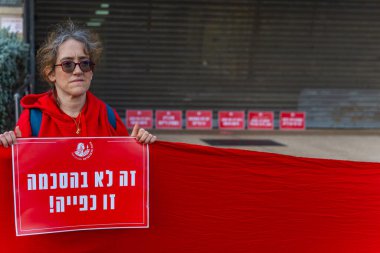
column 69, row 66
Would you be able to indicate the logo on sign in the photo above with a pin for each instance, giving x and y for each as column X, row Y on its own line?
column 83, row 152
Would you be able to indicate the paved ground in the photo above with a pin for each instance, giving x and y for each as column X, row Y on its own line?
column 356, row 145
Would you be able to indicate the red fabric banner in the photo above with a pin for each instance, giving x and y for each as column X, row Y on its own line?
column 205, row 199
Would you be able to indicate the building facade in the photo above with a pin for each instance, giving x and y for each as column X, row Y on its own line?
column 321, row 56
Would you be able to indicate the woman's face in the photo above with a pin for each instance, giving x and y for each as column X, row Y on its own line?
column 78, row 82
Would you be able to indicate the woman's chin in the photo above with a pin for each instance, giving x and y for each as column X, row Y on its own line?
column 78, row 91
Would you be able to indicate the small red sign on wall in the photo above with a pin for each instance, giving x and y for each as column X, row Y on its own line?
column 168, row 119
column 143, row 117
column 292, row 121
column 201, row 119
column 260, row 120
column 233, row 120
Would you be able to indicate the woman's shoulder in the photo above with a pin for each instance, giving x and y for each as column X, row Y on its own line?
column 36, row 100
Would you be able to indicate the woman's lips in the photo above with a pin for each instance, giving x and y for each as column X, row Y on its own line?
column 77, row 80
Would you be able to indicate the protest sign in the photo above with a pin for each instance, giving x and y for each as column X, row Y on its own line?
column 232, row 120
column 292, row 121
column 201, row 119
column 66, row 184
column 260, row 120
column 144, row 118
column 169, row 119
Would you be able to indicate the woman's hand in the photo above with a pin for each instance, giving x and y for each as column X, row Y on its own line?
column 142, row 135
column 9, row 138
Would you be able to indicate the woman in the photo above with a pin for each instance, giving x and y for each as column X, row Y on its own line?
column 66, row 61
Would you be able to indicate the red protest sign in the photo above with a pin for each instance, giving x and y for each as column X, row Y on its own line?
column 260, row 120
column 68, row 184
column 292, row 121
column 142, row 117
column 233, row 120
column 168, row 119
column 200, row 119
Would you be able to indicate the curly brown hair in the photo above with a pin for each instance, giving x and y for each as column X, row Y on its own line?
column 47, row 53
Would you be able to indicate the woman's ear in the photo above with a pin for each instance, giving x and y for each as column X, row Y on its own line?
column 50, row 74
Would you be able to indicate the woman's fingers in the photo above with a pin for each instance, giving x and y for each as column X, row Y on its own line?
column 148, row 138
column 3, row 141
column 13, row 136
column 135, row 130
column 145, row 137
column 141, row 133
column 18, row 132
column 154, row 138
column 8, row 138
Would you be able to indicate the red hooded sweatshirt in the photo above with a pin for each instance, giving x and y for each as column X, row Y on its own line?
column 55, row 123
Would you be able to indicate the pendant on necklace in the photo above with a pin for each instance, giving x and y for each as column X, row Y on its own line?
column 77, row 124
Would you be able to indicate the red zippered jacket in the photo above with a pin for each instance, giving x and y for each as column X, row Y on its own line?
column 55, row 123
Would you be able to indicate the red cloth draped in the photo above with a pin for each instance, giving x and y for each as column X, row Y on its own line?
column 205, row 199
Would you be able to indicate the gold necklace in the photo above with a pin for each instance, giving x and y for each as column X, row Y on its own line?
column 77, row 124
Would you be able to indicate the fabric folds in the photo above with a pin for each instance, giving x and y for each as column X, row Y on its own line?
column 205, row 199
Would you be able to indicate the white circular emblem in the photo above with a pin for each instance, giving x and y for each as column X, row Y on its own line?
column 83, row 151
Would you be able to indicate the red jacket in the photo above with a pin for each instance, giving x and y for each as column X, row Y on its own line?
column 55, row 123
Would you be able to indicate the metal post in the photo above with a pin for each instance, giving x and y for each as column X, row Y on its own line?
column 29, row 38
column 16, row 97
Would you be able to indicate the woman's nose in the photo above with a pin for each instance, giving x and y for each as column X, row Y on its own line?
column 77, row 70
